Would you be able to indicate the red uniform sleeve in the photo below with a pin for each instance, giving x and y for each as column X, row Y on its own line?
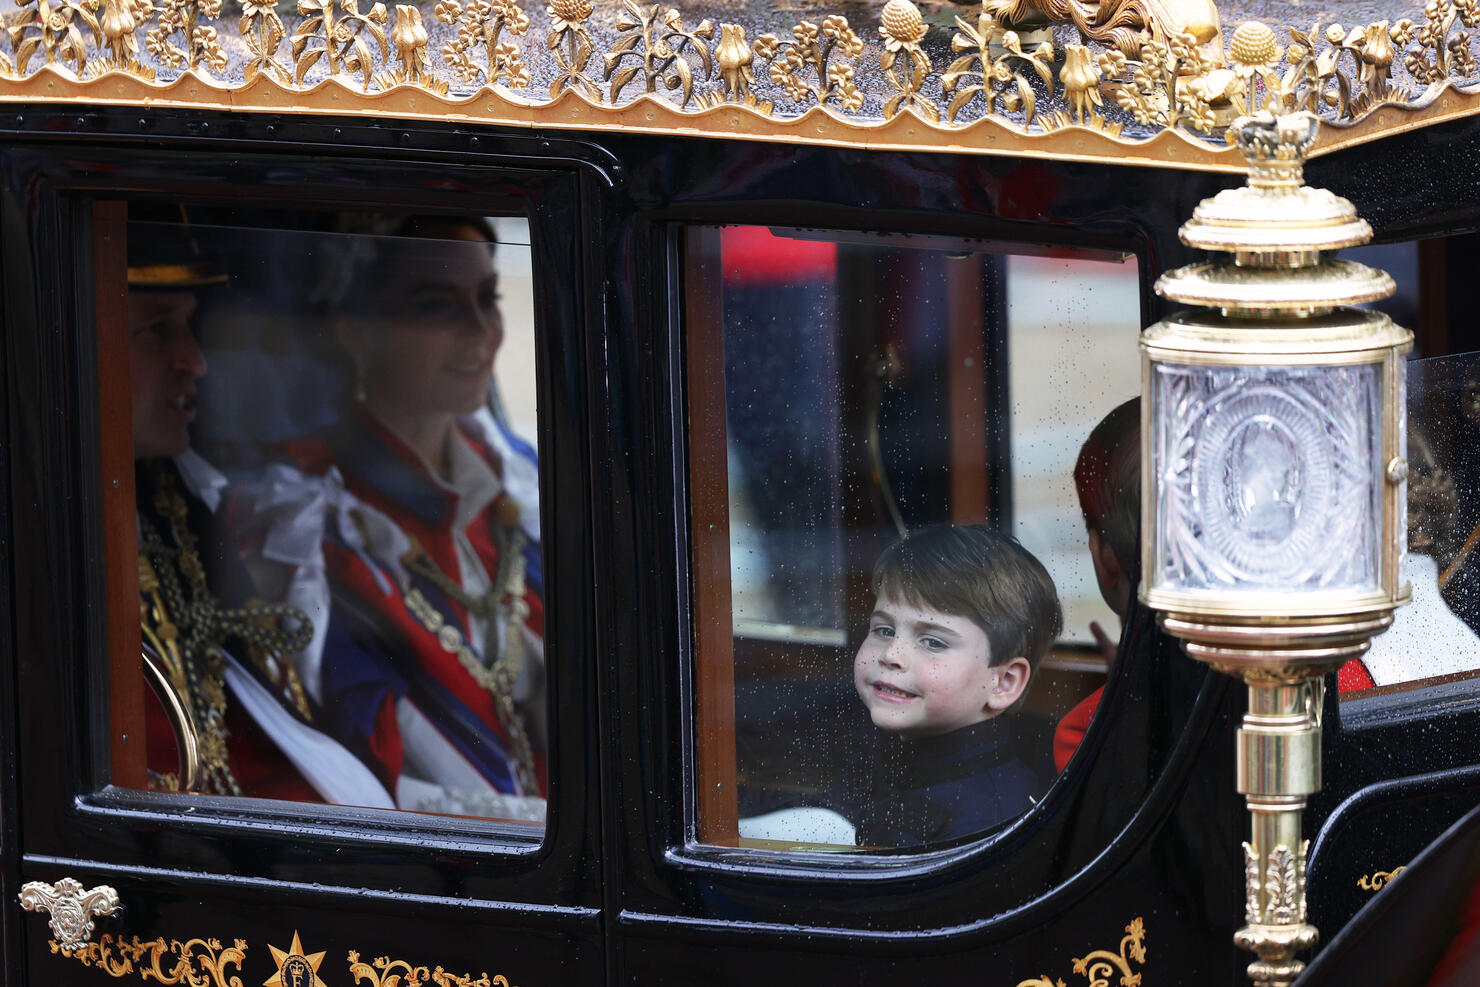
column 1072, row 727
column 1353, row 676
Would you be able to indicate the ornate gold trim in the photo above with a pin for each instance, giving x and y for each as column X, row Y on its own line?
column 1099, row 965
column 1379, row 880
column 196, row 962
column 1136, row 92
column 386, row 972
column 645, row 114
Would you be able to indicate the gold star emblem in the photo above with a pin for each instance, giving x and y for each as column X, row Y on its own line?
column 294, row 969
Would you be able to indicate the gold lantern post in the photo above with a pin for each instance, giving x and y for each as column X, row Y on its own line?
column 1275, row 475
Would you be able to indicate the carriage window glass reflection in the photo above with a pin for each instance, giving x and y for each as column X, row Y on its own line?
column 885, row 522
column 337, row 486
column 1435, row 639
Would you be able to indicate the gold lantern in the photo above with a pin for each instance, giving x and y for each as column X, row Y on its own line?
column 1275, row 474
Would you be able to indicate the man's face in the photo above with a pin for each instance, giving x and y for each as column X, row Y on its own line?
column 164, row 364
column 922, row 672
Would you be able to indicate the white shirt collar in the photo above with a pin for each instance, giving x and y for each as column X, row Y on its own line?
column 201, row 478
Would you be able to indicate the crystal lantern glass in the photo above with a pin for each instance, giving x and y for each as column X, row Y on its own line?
column 1275, row 450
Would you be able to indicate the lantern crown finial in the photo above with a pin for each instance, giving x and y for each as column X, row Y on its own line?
column 1278, row 229
column 1275, row 147
column 1276, row 220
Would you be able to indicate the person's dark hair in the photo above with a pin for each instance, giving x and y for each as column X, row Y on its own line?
column 1107, row 477
column 972, row 571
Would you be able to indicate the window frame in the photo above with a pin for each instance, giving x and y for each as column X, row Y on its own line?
column 75, row 813
column 690, row 362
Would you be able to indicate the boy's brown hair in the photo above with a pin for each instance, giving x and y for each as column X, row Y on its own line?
column 973, row 571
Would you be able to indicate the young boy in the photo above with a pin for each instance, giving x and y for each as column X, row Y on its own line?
column 962, row 617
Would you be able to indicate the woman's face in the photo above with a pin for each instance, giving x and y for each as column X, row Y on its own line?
column 427, row 345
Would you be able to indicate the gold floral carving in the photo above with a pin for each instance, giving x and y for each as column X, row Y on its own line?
column 1151, row 94
column 194, row 962
column 338, row 41
column 734, row 56
column 52, row 27
column 121, row 20
column 571, row 46
column 654, row 47
column 810, row 53
column 1162, row 87
column 977, row 73
column 481, row 25
column 1378, row 880
column 201, row 46
column 1440, row 51
column 1098, row 966
column 410, row 39
column 902, row 30
column 263, row 32
column 386, row 972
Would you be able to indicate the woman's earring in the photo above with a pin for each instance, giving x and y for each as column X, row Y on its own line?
column 359, row 359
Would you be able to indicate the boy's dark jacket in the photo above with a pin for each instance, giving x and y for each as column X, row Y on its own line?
column 930, row 789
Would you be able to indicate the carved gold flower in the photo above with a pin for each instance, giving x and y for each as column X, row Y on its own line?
column 568, row 14
column 849, row 43
column 1254, row 46
column 734, row 56
column 1377, row 46
column 1112, row 62
column 1081, row 78
column 902, row 24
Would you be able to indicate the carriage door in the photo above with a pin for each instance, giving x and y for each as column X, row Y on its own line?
column 302, row 693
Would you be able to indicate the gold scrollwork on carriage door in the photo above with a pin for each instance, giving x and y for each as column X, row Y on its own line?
column 1165, row 87
column 1099, row 965
column 196, row 962
column 1377, row 881
column 206, row 963
column 386, row 972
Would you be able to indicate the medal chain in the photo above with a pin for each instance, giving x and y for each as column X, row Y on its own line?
column 186, row 617
column 497, row 670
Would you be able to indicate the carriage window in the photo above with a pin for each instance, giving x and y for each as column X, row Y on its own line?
column 336, row 513
column 893, row 587
column 1433, row 641
column 1432, row 650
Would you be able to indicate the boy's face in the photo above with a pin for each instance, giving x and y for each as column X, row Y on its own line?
column 922, row 672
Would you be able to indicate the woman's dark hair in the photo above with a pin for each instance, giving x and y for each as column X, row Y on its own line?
column 372, row 246
column 976, row 572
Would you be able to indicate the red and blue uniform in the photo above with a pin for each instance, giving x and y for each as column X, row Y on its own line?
column 384, row 682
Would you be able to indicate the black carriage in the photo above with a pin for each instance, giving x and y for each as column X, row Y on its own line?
column 773, row 287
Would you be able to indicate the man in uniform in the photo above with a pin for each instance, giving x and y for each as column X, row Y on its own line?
column 241, row 720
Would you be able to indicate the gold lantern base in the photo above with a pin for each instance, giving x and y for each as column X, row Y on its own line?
column 1283, row 663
